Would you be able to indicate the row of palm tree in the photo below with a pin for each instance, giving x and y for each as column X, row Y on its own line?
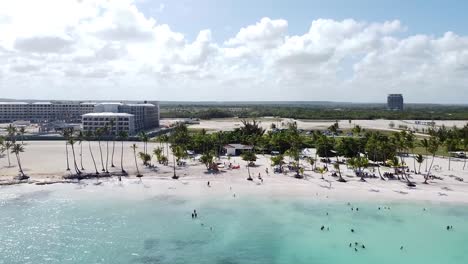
column 9, row 144
column 72, row 137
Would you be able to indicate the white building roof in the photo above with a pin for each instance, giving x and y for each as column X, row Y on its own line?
column 151, row 105
column 42, row 103
column 106, row 114
column 13, row 103
column 111, row 103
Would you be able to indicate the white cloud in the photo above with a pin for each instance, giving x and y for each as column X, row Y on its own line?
column 110, row 49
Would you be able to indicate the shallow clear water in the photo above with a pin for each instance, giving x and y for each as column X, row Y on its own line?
column 49, row 227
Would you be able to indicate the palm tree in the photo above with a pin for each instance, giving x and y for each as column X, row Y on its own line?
column 278, row 161
column 106, row 132
column 22, row 131
column 293, row 153
column 122, row 136
column 359, row 164
column 178, row 152
column 311, row 162
column 158, row 153
column 112, row 124
column 395, row 164
column 80, row 138
column 11, row 131
column 17, row 149
column 409, row 144
column 419, row 159
column 376, row 147
column 425, row 144
column 322, row 170
column 451, row 144
column 207, row 159
column 357, row 130
column 72, row 142
column 144, row 138
column 432, row 148
column 465, row 147
column 6, row 146
column 88, row 136
column 250, row 157
column 337, row 168
column 66, row 132
column 134, row 147
column 98, row 134
column 165, row 138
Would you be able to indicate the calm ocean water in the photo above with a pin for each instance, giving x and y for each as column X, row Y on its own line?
column 49, row 227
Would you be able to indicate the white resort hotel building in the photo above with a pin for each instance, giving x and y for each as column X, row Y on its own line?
column 115, row 122
column 129, row 117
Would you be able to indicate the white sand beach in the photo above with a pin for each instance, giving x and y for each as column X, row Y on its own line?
column 44, row 161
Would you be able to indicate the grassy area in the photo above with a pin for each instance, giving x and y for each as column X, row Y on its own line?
column 441, row 152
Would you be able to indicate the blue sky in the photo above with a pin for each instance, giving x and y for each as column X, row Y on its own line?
column 224, row 18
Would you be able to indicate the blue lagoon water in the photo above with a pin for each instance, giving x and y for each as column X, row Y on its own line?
column 50, row 227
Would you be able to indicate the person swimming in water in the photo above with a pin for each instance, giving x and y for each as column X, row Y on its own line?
column 322, row 228
column 352, row 230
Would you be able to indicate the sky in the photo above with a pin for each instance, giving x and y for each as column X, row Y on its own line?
column 234, row 50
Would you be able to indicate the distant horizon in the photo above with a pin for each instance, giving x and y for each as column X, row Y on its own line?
column 224, row 101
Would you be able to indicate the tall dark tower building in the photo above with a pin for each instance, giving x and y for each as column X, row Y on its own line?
column 395, row 102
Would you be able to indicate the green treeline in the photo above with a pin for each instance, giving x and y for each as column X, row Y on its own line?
column 429, row 112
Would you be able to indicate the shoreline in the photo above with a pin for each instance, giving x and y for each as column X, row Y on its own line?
column 195, row 188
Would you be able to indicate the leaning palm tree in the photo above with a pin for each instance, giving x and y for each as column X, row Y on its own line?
column 122, row 136
column 337, row 168
column 432, row 148
column 72, row 142
column 80, row 138
column 106, row 132
column 112, row 124
column 134, row 147
column 88, row 136
column 17, row 149
column 6, row 146
column 98, row 134
column 66, row 132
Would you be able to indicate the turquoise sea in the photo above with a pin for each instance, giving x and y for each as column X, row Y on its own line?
column 51, row 227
